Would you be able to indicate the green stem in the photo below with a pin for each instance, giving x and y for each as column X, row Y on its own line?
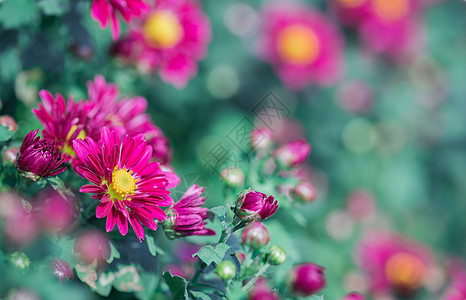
column 229, row 229
column 254, row 279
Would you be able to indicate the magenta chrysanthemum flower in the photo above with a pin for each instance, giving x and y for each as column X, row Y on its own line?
column 171, row 39
column 127, row 116
column 187, row 217
column 254, row 206
column 129, row 187
column 301, row 44
column 63, row 121
column 105, row 12
column 38, row 158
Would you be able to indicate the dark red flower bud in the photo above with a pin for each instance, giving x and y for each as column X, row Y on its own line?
column 254, row 206
column 255, row 235
column 61, row 269
column 307, row 279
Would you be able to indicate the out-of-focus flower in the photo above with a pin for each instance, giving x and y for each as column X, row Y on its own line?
column 63, row 121
column 293, row 153
column 355, row 96
column 61, row 269
column 261, row 138
column 55, row 213
column 456, row 290
column 306, row 279
column 127, row 116
column 171, row 38
column 226, row 270
column 105, row 12
column 393, row 262
column 186, row 217
column 301, row 44
column 92, row 246
column 22, row 294
column 8, row 122
column 261, row 291
column 276, row 255
column 20, row 227
column 38, row 158
column 305, row 192
column 354, row 296
column 255, row 235
column 233, row 176
column 254, row 206
column 129, row 187
column 19, row 260
column 9, row 155
column 361, row 204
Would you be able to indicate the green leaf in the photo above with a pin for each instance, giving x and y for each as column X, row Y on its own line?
column 177, row 285
column 209, row 254
column 113, row 253
column 58, row 185
column 220, row 212
column 14, row 13
column 236, row 291
column 87, row 274
column 153, row 249
column 200, row 295
column 127, row 279
column 5, row 133
column 53, row 7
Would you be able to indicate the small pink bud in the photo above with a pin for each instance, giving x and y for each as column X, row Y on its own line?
column 354, row 296
column 254, row 206
column 255, row 235
column 361, row 204
column 261, row 138
column 293, row 153
column 241, row 257
column 9, row 156
column 233, row 176
column 61, row 269
column 92, row 246
column 305, row 192
column 261, row 291
column 307, row 279
column 8, row 122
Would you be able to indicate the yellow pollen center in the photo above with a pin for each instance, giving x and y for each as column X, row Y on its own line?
column 68, row 146
column 405, row 270
column 123, row 184
column 162, row 30
column 391, row 10
column 298, row 44
column 351, row 3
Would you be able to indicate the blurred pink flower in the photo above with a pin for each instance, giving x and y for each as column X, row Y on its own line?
column 261, row 291
column 393, row 262
column 170, row 39
column 301, row 44
column 293, row 153
column 92, row 246
column 354, row 296
column 10, row 155
column 55, row 213
column 105, row 12
column 9, row 122
column 307, row 279
column 129, row 187
column 186, row 217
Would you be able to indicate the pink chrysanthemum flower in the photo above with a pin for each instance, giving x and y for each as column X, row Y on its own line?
column 38, row 158
column 301, row 44
column 392, row 262
column 187, row 217
column 129, row 187
column 172, row 37
column 63, row 121
column 127, row 116
column 105, row 12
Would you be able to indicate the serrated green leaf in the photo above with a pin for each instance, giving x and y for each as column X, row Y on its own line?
column 127, row 279
column 5, row 133
column 177, row 285
column 209, row 254
column 14, row 13
column 153, row 249
column 113, row 253
column 87, row 274
column 220, row 212
column 236, row 291
column 53, row 7
column 200, row 295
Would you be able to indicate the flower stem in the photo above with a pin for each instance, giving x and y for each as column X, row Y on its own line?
column 229, row 229
column 254, row 279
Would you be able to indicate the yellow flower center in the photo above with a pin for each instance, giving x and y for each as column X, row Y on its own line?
column 351, row 3
column 298, row 44
column 405, row 270
column 68, row 147
column 123, row 184
column 162, row 30
column 391, row 10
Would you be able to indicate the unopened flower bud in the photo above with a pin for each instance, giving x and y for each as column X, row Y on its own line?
column 232, row 176
column 277, row 255
column 261, row 138
column 19, row 260
column 226, row 270
column 9, row 156
column 8, row 122
column 255, row 235
column 241, row 257
column 293, row 153
column 261, row 291
column 92, row 246
column 254, row 206
column 306, row 279
column 354, row 296
column 305, row 192
column 61, row 269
